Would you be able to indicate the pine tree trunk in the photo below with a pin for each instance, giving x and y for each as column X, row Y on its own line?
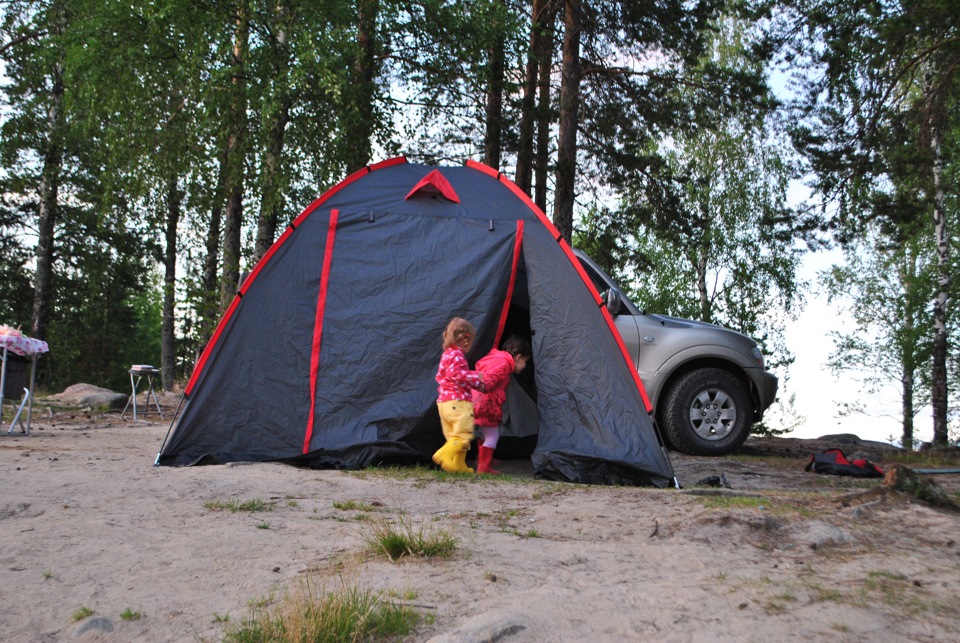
column 168, row 345
column 236, row 152
column 209, row 304
column 544, row 109
column 271, row 204
column 49, row 195
column 565, row 192
column 906, row 405
column 233, row 220
column 494, row 108
column 358, row 123
column 528, row 106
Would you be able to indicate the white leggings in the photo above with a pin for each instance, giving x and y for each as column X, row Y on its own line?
column 490, row 435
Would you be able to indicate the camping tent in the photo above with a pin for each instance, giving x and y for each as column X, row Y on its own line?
column 327, row 355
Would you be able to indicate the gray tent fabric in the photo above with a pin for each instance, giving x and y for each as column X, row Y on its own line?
column 327, row 356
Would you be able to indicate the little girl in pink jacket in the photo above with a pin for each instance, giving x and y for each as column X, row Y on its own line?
column 496, row 368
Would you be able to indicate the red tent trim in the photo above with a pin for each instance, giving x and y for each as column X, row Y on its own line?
column 517, row 248
column 318, row 325
column 523, row 196
column 198, row 367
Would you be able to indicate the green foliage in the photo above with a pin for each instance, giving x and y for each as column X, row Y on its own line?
column 884, row 287
column 703, row 231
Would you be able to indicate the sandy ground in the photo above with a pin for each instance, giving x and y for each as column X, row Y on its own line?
column 87, row 521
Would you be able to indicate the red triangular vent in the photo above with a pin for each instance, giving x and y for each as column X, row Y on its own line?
column 435, row 183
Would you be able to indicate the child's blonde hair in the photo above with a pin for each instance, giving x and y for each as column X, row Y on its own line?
column 458, row 329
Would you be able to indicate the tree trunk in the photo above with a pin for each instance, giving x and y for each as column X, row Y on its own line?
column 906, row 404
column 494, row 108
column 231, row 247
column 47, row 216
column 706, row 310
column 938, row 392
column 209, row 304
column 236, row 155
column 565, row 193
column 168, row 344
column 528, row 106
column 544, row 108
column 271, row 204
column 358, row 127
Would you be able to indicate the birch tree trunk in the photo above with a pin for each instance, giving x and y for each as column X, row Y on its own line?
column 938, row 392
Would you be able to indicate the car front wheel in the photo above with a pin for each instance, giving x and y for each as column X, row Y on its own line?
column 706, row 412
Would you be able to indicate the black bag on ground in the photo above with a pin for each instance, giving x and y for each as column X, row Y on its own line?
column 834, row 462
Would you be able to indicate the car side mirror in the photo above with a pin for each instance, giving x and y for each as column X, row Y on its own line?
column 611, row 299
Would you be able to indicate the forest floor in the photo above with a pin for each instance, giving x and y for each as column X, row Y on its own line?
column 97, row 544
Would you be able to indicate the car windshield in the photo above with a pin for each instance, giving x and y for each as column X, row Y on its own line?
column 601, row 281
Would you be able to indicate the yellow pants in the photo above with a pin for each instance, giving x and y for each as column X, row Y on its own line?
column 456, row 420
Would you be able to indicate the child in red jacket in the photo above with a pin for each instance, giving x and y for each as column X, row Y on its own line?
column 496, row 368
column 454, row 383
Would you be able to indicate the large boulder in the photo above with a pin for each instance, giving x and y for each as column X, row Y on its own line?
column 88, row 395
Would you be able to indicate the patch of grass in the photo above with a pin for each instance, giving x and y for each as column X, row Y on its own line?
column 406, row 595
column 345, row 614
column 48, row 575
column 254, row 504
column 221, row 618
column 821, row 593
column 927, row 459
column 353, row 505
column 130, row 615
column 734, row 502
column 396, row 540
column 774, row 608
column 531, row 533
column 81, row 613
column 263, row 525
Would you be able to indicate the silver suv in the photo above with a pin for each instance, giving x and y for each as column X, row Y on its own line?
column 707, row 383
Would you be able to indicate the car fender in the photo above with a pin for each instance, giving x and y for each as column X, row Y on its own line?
column 706, row 353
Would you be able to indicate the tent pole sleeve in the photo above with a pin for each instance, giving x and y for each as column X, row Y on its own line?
column 318, row 325
column 517, row 247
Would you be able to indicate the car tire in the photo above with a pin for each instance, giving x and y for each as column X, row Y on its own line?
column 707, row 411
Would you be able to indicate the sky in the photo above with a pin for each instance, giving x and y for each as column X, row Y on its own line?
column 818, row 392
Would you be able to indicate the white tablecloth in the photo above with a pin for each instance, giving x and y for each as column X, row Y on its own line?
column 22, row 345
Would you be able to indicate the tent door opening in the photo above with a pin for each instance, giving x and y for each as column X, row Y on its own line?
column 521, row 421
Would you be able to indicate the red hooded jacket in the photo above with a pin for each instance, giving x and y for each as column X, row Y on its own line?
column 496, row 368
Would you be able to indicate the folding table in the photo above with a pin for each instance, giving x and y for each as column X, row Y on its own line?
column 25, row 347
column 137, row 373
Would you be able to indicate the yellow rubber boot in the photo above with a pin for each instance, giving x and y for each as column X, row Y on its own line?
column 460, row 459
column 446, row 456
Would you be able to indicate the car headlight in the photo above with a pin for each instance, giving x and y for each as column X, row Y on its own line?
column 757, row 355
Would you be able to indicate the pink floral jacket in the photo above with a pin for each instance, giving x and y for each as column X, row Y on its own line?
column 454, row 377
